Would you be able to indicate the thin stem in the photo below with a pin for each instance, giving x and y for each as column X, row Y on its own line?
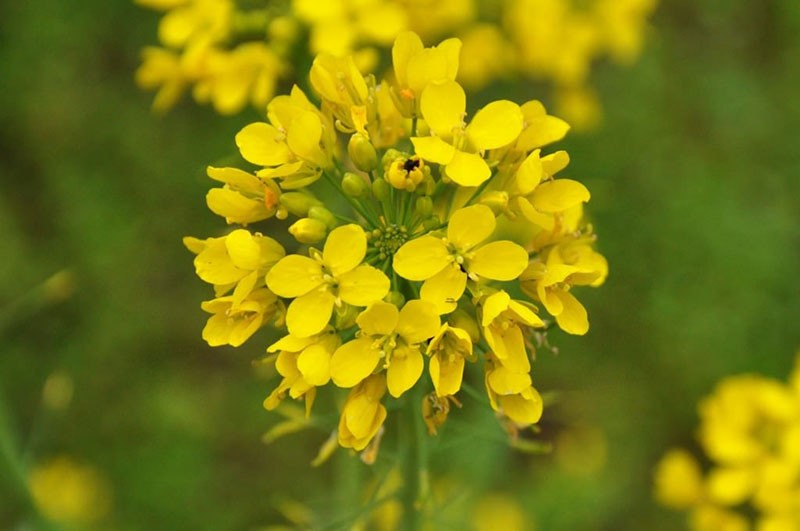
column 418, row 489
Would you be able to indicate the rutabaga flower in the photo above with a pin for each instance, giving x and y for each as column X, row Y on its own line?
column 388, row 335
column 332, row 277
column 245, row 198
column 304, row 364
column 502, row 322
column 363, row 413
column 235, row 319
column 511, row 393
column 416, row 67
column 446, row 263
column 457, row 147
column 448, row 349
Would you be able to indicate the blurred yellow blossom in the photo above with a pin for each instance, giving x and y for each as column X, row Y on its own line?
column 70, row 493
column 750, row 433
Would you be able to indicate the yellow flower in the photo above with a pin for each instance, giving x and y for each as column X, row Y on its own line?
column 388, row 334
column 304, row 364
column 196, row 20
column 69, row 493
column 511, row 393
column 456, row 147
column 678, row 480
column 245, row 198
column 550, row 285
column 416, row 67
column 295, row 146
column 331, row 277
column 235, row 319
column 341, row 87
column 501, row 322
column 448, row 350
column 363, row 413
column 446, row 263
column 238, row 260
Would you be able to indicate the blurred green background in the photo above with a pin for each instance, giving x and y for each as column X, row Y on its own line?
column 696, row 200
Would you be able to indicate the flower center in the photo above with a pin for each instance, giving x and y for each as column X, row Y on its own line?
column 388, row 239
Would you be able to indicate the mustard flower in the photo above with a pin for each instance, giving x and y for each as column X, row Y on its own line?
column 442, row 242
column 750, row 435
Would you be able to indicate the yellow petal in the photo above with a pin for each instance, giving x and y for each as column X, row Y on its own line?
column 493, row 306
column 496, row 125
column 236, row 178
column 523, row 410
column 294, row 275
column 573, row 318
column 418, row 321
column 542, row 129
column 380, row 319
column 344, row 249
column 446, row 374
column 451, row 49
column 529, row 174
column 304, row 136
column 291, row 343
column 309, row 314
column 503, row 260
column 433, row 149
column 235, row 207
column 444, row 288
column 421, row 258
column 524, row 314
column 505, row 382
column 470, row 226
column 443, row 107
column 406, row 45
column 314, row 363
column 354, row 361
column 468, row 169
column 262, row 144
column 243, row 249
column 363, row 285
column 404, row 370
column 559, row 195
column 213, row 265
column 515, row 357
column 431, row 65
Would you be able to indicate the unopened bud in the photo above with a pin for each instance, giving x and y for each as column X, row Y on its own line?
column 362, row 152
column 396, row 298
column 344, row 316
column 324, row 215
column 431, row 223
column 496, row 200
column 424, row 206
column 354, row 185
column 380, row 189
column 391, row 155
column 307, row 230
column 298, row 203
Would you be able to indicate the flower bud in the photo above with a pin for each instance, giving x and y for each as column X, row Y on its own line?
column 390, row 156
column 431, row 223
column 424, row 206
column 405, row 173
column 354, row 185
column 344, row 316
column 362, row 152
column 298, row 203
column 307, row 230
column 496, row 200
column 380, row 189
column 396, row 298
column 324, row 215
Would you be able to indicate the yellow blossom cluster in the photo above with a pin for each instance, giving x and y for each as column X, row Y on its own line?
column 231, row 53
column 750, row 435
column 424, row 238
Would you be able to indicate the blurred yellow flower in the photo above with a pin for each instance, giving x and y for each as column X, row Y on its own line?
column 70, row 493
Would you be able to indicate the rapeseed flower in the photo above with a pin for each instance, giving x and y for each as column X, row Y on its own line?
column 403, row 259
column 750, row 435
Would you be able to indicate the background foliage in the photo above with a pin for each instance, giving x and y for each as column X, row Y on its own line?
column 696, row 198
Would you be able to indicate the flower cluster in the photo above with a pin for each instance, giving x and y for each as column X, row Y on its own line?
column 231, row 52
column 424, row 239
column 750, row 434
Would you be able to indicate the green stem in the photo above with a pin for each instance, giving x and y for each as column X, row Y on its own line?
column 353, row 203
column 418, row 490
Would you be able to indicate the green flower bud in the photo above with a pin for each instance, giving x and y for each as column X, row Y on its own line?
column 324, row 215
column 424, row 206
column 362, row 152
column 431, row 223
column 496, row 200
column 344, row 316
column 298, row 203
column 307, row 230
column 380, row 189
column 391, row 155
column 396, row 298
column 354, row 185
